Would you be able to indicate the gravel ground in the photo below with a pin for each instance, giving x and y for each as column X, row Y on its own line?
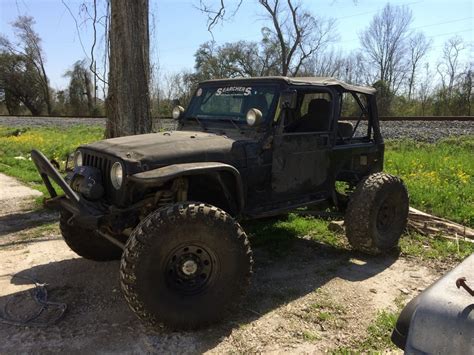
column 426, row 131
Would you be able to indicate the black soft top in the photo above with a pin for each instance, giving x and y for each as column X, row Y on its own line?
column 316, row 81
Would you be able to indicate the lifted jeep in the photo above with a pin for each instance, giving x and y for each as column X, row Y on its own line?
column 168, row 204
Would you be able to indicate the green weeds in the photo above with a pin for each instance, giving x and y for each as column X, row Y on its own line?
column 56, row 143
column 439, row 177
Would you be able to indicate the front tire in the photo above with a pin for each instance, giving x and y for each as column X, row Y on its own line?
column 377, row 213
column 185, row 266
column 86, row 242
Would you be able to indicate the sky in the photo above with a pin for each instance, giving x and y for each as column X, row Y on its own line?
column 178, row 27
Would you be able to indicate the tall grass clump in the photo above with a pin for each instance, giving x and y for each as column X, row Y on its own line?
column 439, row 176
column 55, row 142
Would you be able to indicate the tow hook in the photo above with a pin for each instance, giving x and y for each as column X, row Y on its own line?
column 461, row 282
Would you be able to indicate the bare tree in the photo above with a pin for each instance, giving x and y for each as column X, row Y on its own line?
column 296, row 33
column 425, row 88
column 384, row 44
column 330, row 63
column 128, row 102
column 448, row 67
column 31, row 51
column 356, row 70
column 418, row 46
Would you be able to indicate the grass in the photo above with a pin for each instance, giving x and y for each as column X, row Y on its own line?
column 435, row 248
column 310, row 336
column 56, row 143
column 439, row 177
column 278, row 234
column 378, row 335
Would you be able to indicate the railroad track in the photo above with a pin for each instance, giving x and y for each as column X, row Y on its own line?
column 426, row 129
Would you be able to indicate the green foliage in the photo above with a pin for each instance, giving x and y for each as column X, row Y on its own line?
column 20, row 84
column 278, row 234
column 435, row 248
column 379, row 332
column 80, row 100
column 439, row 176
column 54, row 142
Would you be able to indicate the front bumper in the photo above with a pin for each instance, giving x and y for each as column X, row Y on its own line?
column 83, row 212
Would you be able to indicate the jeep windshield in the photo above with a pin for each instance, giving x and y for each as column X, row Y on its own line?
column 231, row 102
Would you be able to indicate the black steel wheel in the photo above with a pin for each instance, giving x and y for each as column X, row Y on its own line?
column 185, row 266
column 191, row 268
column 377, row 213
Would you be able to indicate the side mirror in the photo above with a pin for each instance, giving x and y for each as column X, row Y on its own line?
column 254, row 117
column 177, row 112
column 288, row 99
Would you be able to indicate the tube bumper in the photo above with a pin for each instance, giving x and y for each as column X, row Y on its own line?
column 83, row 211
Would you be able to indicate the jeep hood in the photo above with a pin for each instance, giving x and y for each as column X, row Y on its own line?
column 174, row 147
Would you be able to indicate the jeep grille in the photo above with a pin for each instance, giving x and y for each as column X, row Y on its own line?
column 101, row 163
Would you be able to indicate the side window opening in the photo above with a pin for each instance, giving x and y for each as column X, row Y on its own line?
column 352, row 124
column 313, row 114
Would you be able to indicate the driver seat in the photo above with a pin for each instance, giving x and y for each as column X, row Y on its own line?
column 317, row 118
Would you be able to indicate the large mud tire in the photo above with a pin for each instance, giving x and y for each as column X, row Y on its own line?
column 185, row 266
column 87, row 243
column 377, row 213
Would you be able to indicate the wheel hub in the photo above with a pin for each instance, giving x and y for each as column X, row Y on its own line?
column 190, row 268
column 386, row 215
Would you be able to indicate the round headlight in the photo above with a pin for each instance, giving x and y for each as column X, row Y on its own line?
column 78, row 158
column 177, row 112
column 116, row 175
column 253, row 117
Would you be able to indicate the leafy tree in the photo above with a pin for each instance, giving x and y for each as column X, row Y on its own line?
column 81, row 100
column 23, row 72
column 239, row 59
column 20, row 83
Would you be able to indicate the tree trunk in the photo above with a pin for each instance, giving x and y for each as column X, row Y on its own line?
column 128, row 102
column 88, row 85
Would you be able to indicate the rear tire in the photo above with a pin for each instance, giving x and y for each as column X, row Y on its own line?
column 185, row 266
column 86, row 242
column 377, row 213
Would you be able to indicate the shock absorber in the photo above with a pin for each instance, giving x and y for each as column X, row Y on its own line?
column 165, row 197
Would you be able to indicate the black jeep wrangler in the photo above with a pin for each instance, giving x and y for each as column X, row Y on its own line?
column 168, row 204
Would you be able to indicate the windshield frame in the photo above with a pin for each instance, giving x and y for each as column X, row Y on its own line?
column 239, row 120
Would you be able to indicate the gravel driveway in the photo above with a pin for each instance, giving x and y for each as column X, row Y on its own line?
column 426, row 131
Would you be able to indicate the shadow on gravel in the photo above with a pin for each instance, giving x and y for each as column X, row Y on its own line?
column 16, row 222
column 307, row 266
column 97, row 311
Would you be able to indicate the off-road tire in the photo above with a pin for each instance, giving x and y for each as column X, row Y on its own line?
column 152, row 270
column 377, row 213
column 87, row 243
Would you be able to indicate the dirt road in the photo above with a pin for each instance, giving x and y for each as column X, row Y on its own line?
column 314, row 299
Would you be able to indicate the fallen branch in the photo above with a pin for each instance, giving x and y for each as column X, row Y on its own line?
column 424, row 224
column 427, row 224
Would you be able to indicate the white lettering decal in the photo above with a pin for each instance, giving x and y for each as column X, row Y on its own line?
column 234, row 90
